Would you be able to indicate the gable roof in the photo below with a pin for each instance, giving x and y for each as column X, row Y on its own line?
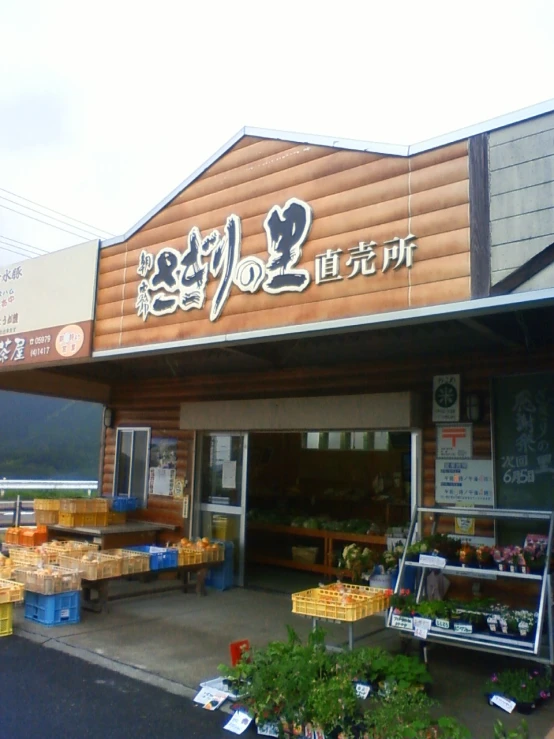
column 332, row 142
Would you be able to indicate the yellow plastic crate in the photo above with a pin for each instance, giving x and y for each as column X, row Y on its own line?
column 74, row 505
column 215, row 554
column 47, row 504
column 6, row 619
column 380, row 594
column 72, row 519
column 48, row 580
column 102, row 566
column 335, row 606
column 98, row 505
column 131, row 562
column 116, row 518
column 23, row 556
column 10, row 592
column 188, row 556
column 46, row 518
column 77, row 548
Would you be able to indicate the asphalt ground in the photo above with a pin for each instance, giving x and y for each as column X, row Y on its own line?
column 47, row 694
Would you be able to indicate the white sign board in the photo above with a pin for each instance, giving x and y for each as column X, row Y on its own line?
column 446, row 398
column 467, row 481
column 455, row 441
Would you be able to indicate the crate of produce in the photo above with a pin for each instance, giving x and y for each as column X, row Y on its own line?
column 116, row 518
column 46, row 504
column 70, row 546
column 10, row 591
column 92, row 565
column 379, row 595
column 34, row 537
column 47, row 518
column 48, row 580
column 306, row 555
column 6, row 567
column 122, row 503
column 74, row 505
column 53, row 610
column 334, row 605
column 160, row 558
column 6, row 619
column 25, row 556
column 188, row 556
column 72, row 520
column 131, row 562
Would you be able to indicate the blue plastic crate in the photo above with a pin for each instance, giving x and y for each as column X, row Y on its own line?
column 122, row 504
column 161, row 558
column 53, row 610
column 223, row 577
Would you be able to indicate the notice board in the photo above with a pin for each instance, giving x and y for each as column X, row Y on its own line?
column 523, row 437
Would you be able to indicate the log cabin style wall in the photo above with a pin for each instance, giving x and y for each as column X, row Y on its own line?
column 157, row 403
column 355, row 196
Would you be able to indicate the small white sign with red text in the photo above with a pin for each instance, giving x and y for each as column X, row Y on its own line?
column 455, row 441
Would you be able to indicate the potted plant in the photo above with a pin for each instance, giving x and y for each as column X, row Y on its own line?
column 483, row 555
column 525, row 687
column 356, row 560
column 466, row 555
column 498, row 557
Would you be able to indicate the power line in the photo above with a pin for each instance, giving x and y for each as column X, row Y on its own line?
column 52, row 218
column 19, row 254
column 73, row 233
column 24, row 243
column 22, row 249
column 44, row 207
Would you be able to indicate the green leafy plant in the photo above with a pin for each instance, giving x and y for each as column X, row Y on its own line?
column 520, row 732
column 356, row 560
column 403, row 603
column 332, row 704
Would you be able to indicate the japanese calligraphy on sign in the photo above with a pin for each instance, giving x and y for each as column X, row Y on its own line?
column 174, row 280
column 446, row 398
column 469, row 481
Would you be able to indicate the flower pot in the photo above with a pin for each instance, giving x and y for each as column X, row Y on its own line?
column 525, row 708
column 501, row 566
column 513, row 568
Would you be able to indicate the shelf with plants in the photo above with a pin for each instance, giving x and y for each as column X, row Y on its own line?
column 489, row 625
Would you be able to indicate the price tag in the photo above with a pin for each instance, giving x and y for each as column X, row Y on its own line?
column 362, row 690
column 238, row 722
column 463, row 628
column 422, row 623
column 503, row 703
column 429, row 560
column 403, row 622
column 442, row 623
column 420, row 633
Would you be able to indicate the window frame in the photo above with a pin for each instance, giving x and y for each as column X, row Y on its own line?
column 120, row 431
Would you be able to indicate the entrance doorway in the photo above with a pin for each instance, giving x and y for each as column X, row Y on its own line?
column 291, row 501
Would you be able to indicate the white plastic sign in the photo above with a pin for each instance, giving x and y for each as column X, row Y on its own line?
column 504, row 703
column 268, row 730
column 420, row 633
column 422, row 623
column 430, row 560
column 362, row 690
column 403, row 622
column 238, row 722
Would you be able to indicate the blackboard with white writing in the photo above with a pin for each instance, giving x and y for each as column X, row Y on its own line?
column 523, row 434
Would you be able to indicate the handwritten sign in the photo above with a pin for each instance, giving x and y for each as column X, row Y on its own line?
column 467, row 481
column 403, row 622
column 463, row 628
column 420, row 633
column 430, row 560
column 362, row 690
column 238, row 723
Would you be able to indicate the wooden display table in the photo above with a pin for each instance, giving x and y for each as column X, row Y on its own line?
column 112, row 537
column 329, row 538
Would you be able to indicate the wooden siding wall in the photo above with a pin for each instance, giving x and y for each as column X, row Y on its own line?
column 156, row 403
column 355, row 196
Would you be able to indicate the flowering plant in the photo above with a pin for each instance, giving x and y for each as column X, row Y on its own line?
column 356, row 559
column 484, row 554
column 389, row 560
column 403, row 603
column 466, row 554
column 521, row 686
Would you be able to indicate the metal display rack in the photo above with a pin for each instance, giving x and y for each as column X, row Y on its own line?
column 541, row 648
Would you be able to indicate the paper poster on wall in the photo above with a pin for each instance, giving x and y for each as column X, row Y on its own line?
column 163, row 463
column 468, row 481
column 229, row 476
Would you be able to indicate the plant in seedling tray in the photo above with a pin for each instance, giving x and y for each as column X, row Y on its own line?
column 526, row 688
column 403, row 603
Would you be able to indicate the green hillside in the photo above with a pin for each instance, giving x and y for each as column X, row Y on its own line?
column 48, row 438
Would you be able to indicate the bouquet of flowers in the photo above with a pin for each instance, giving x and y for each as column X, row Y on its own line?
column 356, row 559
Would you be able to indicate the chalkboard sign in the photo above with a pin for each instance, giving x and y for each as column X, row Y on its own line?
column 523, row 428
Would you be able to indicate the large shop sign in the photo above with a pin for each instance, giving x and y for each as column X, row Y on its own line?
column 44, row 317
column 173, row 279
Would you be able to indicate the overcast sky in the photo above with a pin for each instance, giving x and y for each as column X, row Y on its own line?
column 106, row 106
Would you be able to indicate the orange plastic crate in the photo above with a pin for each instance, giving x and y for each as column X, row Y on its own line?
column 34, row 537
column 12, row 535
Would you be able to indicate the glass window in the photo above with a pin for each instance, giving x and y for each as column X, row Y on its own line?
column 131, row 466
